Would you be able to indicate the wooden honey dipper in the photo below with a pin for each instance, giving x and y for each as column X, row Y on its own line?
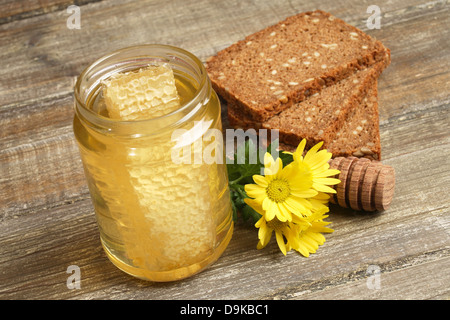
column 365, row 185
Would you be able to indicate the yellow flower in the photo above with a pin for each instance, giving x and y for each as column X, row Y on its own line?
column 283, row 230
column 301, row 234
column 316, row 162
column 309, row 235
column 281, row 192
column 293, row 200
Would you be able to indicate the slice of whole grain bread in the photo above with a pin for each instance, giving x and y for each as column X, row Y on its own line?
column 270, row 70
column 319, row 117
column 359, row 136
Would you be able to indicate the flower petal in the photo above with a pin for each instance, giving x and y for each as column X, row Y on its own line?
column 301, row 180
column 260, row 223
column 255, row 205
column 304, row 193
column 260, row 180
column 298, row 205
column 319, row 160
column 327, row 181
column 259, row 246
column 280, row 242
column 326, row 173
column 311, row 152
column 264, row 236
column 268, row 160
column 265, row 203
column 322, row 188
column 284, row 212
column 301, row 248
column 254, row 190
column 298, row 154
column 317, row 237
column 272, row 210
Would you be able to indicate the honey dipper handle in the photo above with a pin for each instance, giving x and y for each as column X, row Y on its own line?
column 365, row 185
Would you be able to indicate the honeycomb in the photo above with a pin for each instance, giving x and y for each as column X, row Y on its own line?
column 164, row 211
column 145, row 94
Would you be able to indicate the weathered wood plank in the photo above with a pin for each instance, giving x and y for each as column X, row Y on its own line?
column 32, row 173
column 25, row 124
column 39, row 161
column 409, row 80
column 13, row 10
column 428, row 126
column 45, row 69
column 38, row 248
column 416, row 280
column 46, row 218
column 20, row 125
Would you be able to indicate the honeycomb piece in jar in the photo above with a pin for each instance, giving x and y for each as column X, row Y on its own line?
column 148, row 93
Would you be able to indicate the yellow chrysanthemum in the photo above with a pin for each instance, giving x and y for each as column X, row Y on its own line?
column 293, row 200
column 301, row 234
column 281, row 192
column 283, row 231
column 316, row 162
column 309, row 235
column 266, row 229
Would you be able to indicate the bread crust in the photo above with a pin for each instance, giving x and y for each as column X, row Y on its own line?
column 354, row 131
column 270, row 70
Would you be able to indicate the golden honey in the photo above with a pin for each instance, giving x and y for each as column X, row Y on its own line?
column 160, row 219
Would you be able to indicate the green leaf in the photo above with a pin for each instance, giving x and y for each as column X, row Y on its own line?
column 240, row 172
column 248, row 212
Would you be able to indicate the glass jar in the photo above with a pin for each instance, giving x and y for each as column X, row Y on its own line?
column 163, row 209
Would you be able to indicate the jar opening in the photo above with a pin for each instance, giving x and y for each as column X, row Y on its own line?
column 185, row 66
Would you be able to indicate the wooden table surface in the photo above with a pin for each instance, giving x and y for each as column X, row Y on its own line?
column 47, row 221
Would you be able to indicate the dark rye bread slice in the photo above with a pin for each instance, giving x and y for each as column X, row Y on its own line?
column 360, row 134
column 271, row 69
column 320, row 116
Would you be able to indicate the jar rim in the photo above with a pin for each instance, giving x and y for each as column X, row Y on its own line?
column 172, row 53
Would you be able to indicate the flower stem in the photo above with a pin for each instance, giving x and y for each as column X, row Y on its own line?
column 237, row 180
column 240, row 191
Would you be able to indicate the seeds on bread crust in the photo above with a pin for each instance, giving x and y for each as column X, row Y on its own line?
column 316, row 35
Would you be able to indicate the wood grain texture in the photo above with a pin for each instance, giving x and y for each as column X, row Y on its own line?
column 46, row 216
column 11, row 10
column 356, row 184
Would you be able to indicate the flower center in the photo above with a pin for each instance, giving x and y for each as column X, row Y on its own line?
column 278, row 190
